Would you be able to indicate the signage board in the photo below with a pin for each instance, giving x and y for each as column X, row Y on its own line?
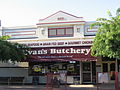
column 65, row 53
column 59, row 43
column 103, row 78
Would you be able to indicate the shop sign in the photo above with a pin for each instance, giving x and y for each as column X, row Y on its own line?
column 59, row 43
column 103, row 78
column 61, row 52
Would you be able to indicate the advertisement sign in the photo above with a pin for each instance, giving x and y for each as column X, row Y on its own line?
column 58, row 43
column 64, row 53
column 103, row 78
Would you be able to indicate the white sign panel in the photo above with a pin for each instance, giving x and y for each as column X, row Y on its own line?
column 103, row 78
column 87, row 42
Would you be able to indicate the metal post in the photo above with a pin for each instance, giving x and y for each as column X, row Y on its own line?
column 116, row 76
column 97, row 81
column 66, row 81
column 80, row 73
column 116, row 65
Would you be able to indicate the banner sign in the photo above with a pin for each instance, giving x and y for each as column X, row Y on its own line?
column 73, row 52
column 59, row 43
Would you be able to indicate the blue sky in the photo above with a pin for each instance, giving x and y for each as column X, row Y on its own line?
column 28, row 12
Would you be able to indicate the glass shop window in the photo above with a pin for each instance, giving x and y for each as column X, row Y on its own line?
column 105, row 67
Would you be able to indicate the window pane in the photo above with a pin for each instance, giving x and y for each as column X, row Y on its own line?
column 60, row 31
column 69, row 31
column 105, row 67
column 86, row 66
column 52, row 32
column 112, row 71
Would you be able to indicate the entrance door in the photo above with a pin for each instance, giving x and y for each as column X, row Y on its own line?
column 86, row 72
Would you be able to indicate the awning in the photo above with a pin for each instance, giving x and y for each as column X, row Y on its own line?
column 69, row 53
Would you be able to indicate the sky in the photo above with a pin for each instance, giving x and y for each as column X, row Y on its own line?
column 28, row 12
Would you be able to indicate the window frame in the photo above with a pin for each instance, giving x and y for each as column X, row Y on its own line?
column 61, row 35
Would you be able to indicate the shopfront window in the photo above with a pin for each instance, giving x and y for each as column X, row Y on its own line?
column 109, row 67
column 112, row 71
column 53, row 67
column 105, row 67
column 86, row 66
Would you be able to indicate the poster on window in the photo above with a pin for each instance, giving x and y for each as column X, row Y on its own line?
column 103, row 78
column 119, row 76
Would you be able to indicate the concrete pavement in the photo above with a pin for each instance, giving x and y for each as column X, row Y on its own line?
column 42, row 87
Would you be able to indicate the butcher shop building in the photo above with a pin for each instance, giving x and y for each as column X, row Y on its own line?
column 60, row 43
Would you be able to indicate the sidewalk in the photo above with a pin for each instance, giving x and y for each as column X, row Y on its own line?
column 70, row 87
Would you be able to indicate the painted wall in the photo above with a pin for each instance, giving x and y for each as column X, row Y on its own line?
column 41, row 33
column 60, row 16
column 21, row 32
column 16, row 72
column 88, row 31
column 58, row 19
column 78, row 32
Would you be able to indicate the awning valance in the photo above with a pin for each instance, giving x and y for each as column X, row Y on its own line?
column 71, row 53
column 34, row 59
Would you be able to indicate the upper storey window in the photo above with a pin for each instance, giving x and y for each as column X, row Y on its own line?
column 61, row 32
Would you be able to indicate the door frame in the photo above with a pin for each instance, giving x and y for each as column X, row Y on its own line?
column 86, row 72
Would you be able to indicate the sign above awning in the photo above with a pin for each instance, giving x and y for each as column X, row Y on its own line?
column 73, row 53
column 58, row 43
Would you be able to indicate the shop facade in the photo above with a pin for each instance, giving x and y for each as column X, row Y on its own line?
column 75, row 61
column 59, row 43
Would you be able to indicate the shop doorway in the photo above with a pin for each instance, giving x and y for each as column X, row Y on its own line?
column 56, row 80
column 86, row 72
column 109, row 67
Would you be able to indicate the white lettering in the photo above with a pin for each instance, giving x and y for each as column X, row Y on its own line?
column 42, row 51
column 67, row 51
column 82, row 50
column 30, row 52
column 60, row 51
column 78, row 51
column 87, row 51
column 34, row 52
column 72, row 50
column 37, row 52
column 52, row 51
